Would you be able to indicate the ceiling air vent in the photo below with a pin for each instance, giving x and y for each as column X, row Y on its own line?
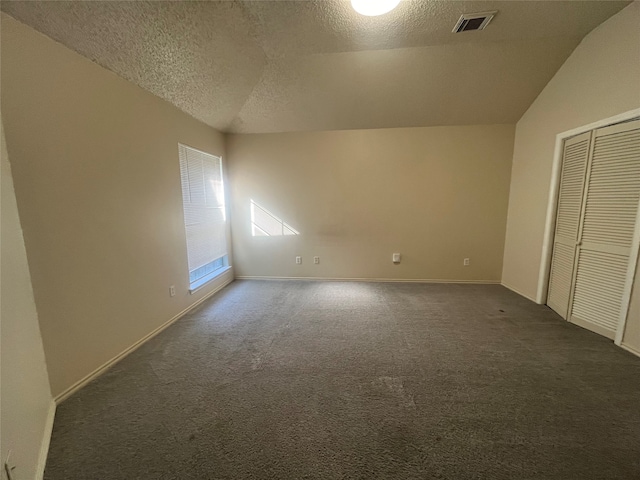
column 473, row 21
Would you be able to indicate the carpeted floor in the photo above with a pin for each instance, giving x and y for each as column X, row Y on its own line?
column 329, row 380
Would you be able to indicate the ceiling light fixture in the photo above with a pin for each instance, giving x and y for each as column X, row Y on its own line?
column 372, row 8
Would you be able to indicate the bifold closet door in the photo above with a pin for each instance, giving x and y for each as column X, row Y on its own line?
column 572, row 180
column 607, row 228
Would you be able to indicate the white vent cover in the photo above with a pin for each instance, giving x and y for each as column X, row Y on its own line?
column 473, row 21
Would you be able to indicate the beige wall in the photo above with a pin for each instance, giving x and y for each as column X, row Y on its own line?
column 25, row 395
column 436, row 195
column 96, row 172
column 599, row 80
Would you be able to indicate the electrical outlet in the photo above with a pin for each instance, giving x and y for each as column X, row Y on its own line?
column 316, row 260
column 172, row 291
column 466, row 262
column 298, row 260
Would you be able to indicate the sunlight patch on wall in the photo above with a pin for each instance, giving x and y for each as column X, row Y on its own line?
column 266, row 224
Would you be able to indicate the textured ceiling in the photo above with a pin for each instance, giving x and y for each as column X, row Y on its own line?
column 274, row 66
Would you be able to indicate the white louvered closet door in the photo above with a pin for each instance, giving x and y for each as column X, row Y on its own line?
column 607, row 228
column 574, row 170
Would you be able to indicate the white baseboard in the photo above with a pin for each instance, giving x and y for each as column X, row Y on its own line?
column 371, row 280
column 46, row 440
column 518, row 292
column 631, row 349
column 100, row 370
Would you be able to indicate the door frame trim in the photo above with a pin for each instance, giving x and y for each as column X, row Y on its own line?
column 552, row 206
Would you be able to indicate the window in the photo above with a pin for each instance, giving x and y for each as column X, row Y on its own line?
column 204, row 215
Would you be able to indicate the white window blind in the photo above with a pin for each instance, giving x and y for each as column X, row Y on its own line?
column 204, row 212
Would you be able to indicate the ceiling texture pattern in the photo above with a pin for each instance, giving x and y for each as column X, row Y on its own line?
column 276, row 66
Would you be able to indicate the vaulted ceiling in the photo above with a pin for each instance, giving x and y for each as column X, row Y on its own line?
column 274, row 66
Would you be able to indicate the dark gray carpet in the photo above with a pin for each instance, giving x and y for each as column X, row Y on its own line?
column 293, row 380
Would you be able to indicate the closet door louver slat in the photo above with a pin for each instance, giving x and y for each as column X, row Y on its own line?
column 598, row 297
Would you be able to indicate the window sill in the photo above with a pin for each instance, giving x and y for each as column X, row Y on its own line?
column 198, row 284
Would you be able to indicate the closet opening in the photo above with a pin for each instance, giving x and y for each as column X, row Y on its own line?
column 593, row 225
